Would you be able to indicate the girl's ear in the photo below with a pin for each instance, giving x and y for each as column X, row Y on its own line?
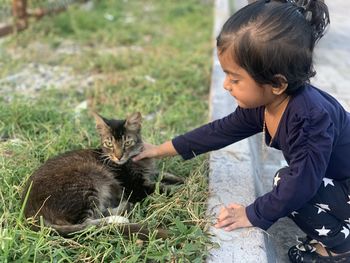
column 280, row 84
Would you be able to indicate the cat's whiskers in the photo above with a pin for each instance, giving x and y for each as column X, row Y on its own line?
column 106, row 158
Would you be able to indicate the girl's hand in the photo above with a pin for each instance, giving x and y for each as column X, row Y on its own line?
column 156, row 151
column 232, row 217
column 148, row 151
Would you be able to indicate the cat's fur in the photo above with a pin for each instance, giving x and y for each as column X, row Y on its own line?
column 93, row 186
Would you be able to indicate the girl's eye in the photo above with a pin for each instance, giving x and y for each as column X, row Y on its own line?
column 108, row 144
column 234, row 81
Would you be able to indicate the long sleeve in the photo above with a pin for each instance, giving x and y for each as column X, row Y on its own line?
column 309, row 144
column 236, row 126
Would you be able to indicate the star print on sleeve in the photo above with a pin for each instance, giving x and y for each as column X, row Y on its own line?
column 323, row 231
column 276, row 179
column 349, row 199
column 327, row 181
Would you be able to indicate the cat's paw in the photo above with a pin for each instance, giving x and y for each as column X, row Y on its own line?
column 116, row 220
column 171, row 179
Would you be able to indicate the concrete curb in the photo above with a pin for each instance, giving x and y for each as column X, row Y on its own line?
column 232, row 175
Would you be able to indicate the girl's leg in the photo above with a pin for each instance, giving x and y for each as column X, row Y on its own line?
column 323, row 227
column 326, row 217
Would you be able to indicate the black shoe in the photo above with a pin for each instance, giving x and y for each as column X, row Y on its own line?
column 305, row 252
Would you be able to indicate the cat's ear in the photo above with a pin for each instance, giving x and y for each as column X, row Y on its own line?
column 101, row 125
column 133, row 122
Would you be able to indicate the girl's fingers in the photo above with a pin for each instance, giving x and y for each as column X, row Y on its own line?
column 228, row 224
column 232, row 217
column 223, row 214
column 147, row 152
column 225, row 223
column 231, row 227
column 234, row 206
column 138, row 157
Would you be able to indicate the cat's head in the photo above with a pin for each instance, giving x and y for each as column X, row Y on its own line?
column 120, row 139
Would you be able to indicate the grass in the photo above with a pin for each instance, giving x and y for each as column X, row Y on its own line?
column 147, row 56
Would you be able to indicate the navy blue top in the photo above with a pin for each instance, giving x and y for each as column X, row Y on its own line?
column 313, row 134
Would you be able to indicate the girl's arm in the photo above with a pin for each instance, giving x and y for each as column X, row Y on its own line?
column 215, row 135
column 236, row 126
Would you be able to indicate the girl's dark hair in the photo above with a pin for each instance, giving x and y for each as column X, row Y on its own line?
column 267, row 38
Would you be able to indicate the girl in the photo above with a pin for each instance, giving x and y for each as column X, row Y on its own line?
column 266, row 51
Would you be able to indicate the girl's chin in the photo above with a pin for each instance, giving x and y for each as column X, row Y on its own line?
column 245, row 106
column 242, row 105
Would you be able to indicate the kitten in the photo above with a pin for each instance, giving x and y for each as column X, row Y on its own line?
column 95, row 186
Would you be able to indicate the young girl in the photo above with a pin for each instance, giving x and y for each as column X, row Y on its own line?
column 266, row 51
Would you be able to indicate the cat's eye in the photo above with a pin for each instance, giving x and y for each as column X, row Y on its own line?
column 128, row 143
column 108, row 144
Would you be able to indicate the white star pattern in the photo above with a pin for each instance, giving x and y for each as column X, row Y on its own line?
column 323, row 231
column 345, row 231
column 349, row 199
column 347, row 221
column 323, row 206
column 327, row 181
column 320, row 210
column 276, row 179
column 294, row 213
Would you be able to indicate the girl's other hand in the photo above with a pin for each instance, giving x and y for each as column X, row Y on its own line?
column 232, row 217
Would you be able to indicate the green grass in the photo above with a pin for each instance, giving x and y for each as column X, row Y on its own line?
column 147, row 56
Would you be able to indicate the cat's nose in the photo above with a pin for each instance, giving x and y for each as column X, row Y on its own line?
column 118, row 154
column 116, row 158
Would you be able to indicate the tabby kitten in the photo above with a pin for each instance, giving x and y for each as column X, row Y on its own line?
column 94, row 186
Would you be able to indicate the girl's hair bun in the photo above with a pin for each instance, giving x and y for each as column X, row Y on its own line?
column 316, row 13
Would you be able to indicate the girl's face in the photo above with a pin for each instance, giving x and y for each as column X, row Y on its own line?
column 247, row 92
